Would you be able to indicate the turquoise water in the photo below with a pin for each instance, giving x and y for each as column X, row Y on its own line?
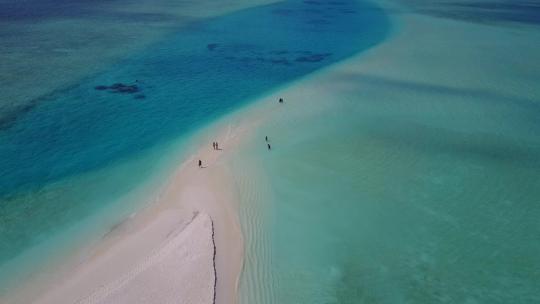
column 60, row 157
column 388, row 189
column 362, row 204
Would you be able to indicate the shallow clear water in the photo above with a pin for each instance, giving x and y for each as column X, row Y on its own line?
column 354, row 208
column 59, row 158
column 390, row 191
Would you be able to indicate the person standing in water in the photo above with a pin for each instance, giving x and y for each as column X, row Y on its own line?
column 214, row 145
column 269, row 147
column 266, row 138
column 280, row 100
column 200, row 163
column 217, row 146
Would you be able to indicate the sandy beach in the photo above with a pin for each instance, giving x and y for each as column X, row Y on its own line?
column 173, row 236
column 182, row 268
column 165, row 252
column 176, row 233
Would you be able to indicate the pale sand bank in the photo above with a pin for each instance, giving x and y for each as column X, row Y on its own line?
column 178, row 270
column 181, row 271
column 126, row 257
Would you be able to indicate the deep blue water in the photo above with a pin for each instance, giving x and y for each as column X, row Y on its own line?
column 161, row 94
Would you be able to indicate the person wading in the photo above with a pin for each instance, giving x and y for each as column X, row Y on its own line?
column 200, row 163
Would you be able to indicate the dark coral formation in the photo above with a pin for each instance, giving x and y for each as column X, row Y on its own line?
column 212, row 46
column 313, row 57
column 122, row 88
column 317, row 15
column 279, row 52
column 336, row 3
column 119, row 88
column 282, row 57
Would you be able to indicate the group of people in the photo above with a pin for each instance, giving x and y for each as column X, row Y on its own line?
column 215, row 144
column 267, row 143
column 266, row 137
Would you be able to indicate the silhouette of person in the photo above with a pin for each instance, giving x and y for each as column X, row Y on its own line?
column 217, row 146
column 266, row 138
column 269, row 148
column 200, row 163
column 214, row 145
column 281, row 100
